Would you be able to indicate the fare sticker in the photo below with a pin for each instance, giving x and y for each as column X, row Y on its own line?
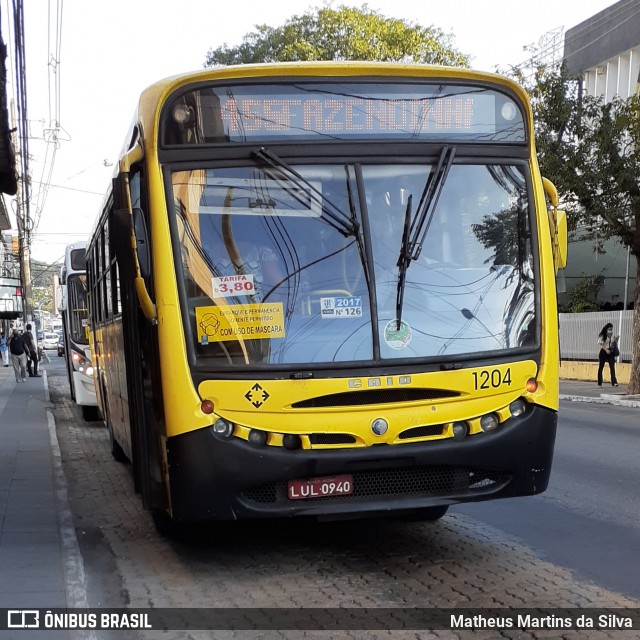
column 240, row 322
column 229, row 286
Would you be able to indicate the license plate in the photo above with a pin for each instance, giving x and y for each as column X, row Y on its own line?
column 320, row 487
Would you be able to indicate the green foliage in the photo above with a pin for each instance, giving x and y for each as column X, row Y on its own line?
column 609, row 150
column 591, row 151
column 500, row 231
column 42, row 273
column 42, row 284
column 583, row 296
column 344, row 33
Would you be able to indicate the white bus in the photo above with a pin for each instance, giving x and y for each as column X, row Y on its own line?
column 75, row 325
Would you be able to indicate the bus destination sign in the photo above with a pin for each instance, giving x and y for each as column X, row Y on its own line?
column 248, row 113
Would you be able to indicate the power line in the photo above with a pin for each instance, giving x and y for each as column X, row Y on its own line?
column 51, row 134
column 61, row 233
column 59, row 186
column 54, row 63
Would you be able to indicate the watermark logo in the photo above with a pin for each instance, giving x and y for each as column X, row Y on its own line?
column 23, row 619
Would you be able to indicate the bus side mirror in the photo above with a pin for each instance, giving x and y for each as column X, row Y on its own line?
column 142, row 241
column 557, row 226
column 560, row 256
column 125, row 216
column 61, row 297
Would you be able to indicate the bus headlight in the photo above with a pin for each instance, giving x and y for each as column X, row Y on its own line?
column 517, row 407
column 489, row 422
column 89, row 371
column 291, row 441
column 460, row 430
column 80, row 363
column 223, row 428
column 258, row 437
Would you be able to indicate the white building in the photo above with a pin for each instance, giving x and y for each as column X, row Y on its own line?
column 605, row 51
column 10, row 302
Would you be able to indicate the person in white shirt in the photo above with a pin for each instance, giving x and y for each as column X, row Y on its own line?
column 605, row 340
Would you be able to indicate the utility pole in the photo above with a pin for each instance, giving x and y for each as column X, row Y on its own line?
column 24, row 229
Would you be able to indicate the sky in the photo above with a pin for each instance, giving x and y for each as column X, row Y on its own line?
column 109, row 50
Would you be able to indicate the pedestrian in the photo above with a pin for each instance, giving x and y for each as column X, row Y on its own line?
column 4, row 350
column 606, row 340
column 19, row 350
column 32, row 362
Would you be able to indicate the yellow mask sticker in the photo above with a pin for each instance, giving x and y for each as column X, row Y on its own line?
column 239, row 322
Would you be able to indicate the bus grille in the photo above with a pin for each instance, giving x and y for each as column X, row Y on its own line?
column 427, row 481
column 374, row 396
column 331, row 438
column 422, row 432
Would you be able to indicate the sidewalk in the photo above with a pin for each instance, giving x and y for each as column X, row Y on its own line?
column 38, row 548
column 586, row 391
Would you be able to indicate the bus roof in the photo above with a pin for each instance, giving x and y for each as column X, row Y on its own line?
column 153, row 97
column 331, row 69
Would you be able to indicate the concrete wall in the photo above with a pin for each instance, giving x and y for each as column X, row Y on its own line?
column 579, row 333
column 572, row 370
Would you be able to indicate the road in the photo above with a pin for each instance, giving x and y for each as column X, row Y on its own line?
column 588, row 520
column 491, row 555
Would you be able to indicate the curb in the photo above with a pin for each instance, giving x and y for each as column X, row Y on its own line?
column 604, row 399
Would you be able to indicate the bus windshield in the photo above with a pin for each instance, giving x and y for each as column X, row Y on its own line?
column 78, row 311
column 270, row 278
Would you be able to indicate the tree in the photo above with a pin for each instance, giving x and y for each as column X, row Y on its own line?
column 42, row 283
column 344, row 33
column 591, row 150
column 583, row 295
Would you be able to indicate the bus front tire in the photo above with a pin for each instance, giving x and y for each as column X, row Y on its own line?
column 90, row 414
column 169, row 528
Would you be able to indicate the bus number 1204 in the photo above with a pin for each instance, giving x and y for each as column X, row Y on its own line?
column 491, row 379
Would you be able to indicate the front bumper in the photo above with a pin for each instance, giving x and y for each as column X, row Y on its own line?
column 216, row 479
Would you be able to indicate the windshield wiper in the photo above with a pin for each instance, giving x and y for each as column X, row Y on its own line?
column 334, row 216
column 414, row 233
column 403, row 262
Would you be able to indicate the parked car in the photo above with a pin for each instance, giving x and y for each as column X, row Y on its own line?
column 50, row 340
column 61, row 345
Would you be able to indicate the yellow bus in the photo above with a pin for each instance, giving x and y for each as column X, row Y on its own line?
column 328, row 289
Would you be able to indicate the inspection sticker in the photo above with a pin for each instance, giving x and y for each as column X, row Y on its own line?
column 239, row 321
column 397, row 338
column 227, row 286
column 331, row 308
